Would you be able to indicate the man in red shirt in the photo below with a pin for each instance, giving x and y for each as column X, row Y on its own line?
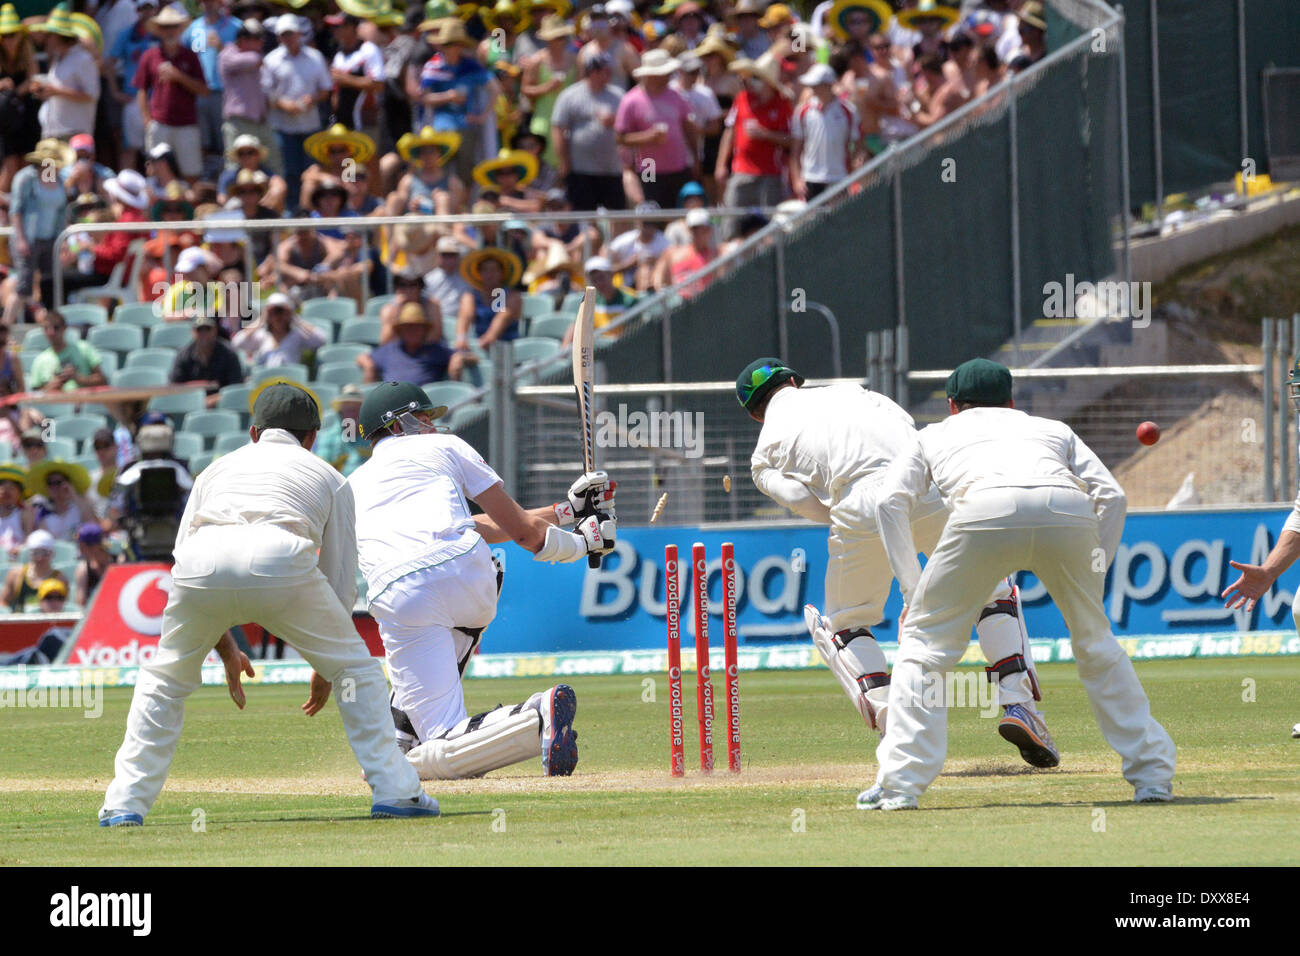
column 756, row 139
column 169, row 82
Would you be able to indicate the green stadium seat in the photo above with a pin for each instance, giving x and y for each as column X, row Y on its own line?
column 171, row 335
column 326, row 326
column 143, row 314
column 365, row 331
column 211, row 424
column 294, row 372
column 117, row 338
column 229, row 441
column 536, row 304
column 152, row 358
column 342, row 352
column 35, row 340
column 479, row 374
column 336, row 310
column 86, row 313
column 553, row 325
column 64, row 449
column 187, row 446
column 109, row 362
column 200, row 461
column 138, row 377
column 529, row 349
column 572, row 302
column 449, row 393
column 376, row 303
column 177, row 406
column 339, row 373
column 76, row 428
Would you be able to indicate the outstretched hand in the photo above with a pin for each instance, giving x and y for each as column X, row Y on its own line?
column 317, row 695
column 235, row 666
column 1249, row 588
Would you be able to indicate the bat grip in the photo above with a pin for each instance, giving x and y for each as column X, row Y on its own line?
column 589, row 508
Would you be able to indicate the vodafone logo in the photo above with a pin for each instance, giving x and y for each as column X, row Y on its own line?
column 142, row 599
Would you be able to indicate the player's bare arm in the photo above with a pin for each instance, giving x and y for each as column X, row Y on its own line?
column 1256, row 579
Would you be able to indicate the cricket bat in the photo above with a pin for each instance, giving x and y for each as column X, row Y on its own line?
column 584, row 332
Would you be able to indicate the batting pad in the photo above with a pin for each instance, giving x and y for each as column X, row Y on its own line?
column 500, row 738
column 851, row 663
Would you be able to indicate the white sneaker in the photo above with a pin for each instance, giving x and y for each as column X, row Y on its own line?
column 1156, row 794
column 879, row 799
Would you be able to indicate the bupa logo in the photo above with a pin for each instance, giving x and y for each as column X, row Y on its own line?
column 142, row 600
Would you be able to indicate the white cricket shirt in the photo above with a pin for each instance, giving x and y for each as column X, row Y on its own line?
column 990, row 448
column 411, row 508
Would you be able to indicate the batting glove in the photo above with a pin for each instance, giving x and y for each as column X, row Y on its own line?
column 594, row 485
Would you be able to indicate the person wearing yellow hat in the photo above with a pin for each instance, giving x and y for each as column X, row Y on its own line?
column 430, row 186
column 62, row 487
column 337, row 151
column 21, row 128
column 853, row 21
column 23, row 583
column 505, row 22
column 454, row 87
column 69, row 88
column 491, row 310
column 507, row 177
column 17, row 519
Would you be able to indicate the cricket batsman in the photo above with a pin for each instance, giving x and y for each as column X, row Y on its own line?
column 267, row 537
column 1025, row 492
column 823, row 453
column 1256, row 579
column 433, row 584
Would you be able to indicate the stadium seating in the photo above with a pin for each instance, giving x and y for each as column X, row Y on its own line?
column 365, row 331
column 152, row 358
column 109, row 362
column 536, row 304
column 143, row 314
column 235, row 398
column 186, row 445
column 118, row 338
column 342, row 352
column 211, row 424
column 529, row 349
column 64, row 449
column 448, row 393
column 35, row 340
column 86, row 313
column 375, row 303
column 326, row 327
column 336, row 310
column 76, row 428
column 171, row 335
column 200, row 461
column 229, row 441
column 339, row 373
column 293, row 372
column 450, row 328
column 572, row 302
column 177, row 406
column 136, row 377
column 118, row 287
column 479, row 375
column 326, row 393
column 552, row 325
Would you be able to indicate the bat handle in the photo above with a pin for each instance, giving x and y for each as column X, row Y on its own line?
column 593, row 560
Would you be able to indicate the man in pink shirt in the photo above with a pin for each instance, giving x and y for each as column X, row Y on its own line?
column 657, row 132
column 169, row 82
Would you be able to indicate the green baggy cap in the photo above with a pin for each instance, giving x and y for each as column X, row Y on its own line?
column 285, row 405
column 981, row 382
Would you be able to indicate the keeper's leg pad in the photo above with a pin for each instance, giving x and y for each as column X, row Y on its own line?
column 480, row 744
column 1005, row 643
column 857, row 662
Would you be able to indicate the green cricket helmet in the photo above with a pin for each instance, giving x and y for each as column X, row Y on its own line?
column 760, row 378
column 1293, row 382
column 392, row 403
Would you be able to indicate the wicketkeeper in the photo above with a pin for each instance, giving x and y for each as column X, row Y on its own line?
column 1026, row 493
column 823, row 453
column 433, row 584
column 267, row 536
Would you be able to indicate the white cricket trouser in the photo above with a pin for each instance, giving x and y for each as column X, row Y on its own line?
column 1058, row 541
column 305, row 612
column 416, row 615
column 858, row 578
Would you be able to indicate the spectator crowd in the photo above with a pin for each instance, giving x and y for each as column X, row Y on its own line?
column 225, row 112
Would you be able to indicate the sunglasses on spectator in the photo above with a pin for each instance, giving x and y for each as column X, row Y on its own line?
column 54, row 481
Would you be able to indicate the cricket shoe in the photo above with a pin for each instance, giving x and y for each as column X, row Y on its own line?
column 421, row 806
column 1157, row 794
column 1025, row 727
column 878, row 798
column 121, row 818
column 559, row 706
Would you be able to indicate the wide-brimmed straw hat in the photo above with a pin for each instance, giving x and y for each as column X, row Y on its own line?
column 471, row 265
column 929, row 10
column 554, row 27
column 246, row 141
column 168, row 17
column 51, row 151
column 876, row 9
column 38, row 476
column 715, row 43
column 317, row 145
column 765, row 70
column 518, row 160
column 58, row 22
column 448, row 32
column 500, row 10
column 10, row 21
column 446, row 142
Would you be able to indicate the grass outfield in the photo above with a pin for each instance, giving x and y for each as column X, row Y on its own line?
column 276, row 787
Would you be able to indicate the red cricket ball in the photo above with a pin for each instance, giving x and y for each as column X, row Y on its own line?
column 1148, row 433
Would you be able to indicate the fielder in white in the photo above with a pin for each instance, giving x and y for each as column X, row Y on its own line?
column 823, row 453
column 432, row 585
column 267, row 537
column 1025, row 492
